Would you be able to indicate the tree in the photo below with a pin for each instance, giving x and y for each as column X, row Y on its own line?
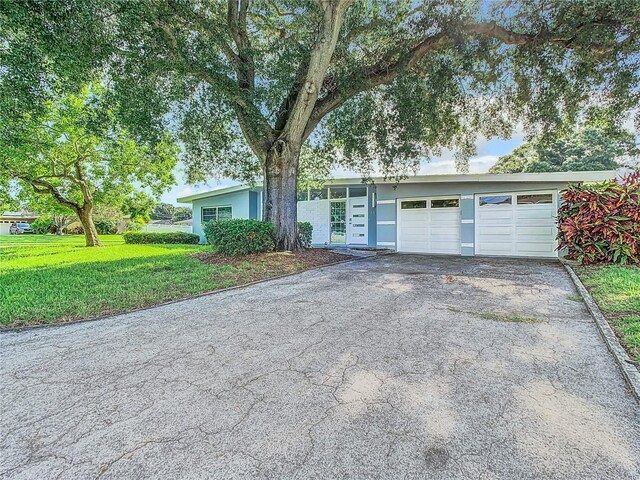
column 163, row 211
column 139, row 207
column 76, row 152
column 49, row 208
column 181, row 213
column 373, row 84
column 588, row 148
column 168, row 212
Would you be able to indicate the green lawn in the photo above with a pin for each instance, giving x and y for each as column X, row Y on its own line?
column 616, row 289
column 49, row 279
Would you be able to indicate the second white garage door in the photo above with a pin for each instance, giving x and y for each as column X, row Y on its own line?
column 518, row 224
column 429, row 225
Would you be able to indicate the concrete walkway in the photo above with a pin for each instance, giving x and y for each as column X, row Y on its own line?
column 387, row 367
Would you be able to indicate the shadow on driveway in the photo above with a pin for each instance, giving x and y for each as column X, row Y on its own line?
column 392, row 367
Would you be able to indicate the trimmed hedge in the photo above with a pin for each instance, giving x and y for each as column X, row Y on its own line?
column 601, row 222
column 305, row 230
column 240, row 237
column 161, row 237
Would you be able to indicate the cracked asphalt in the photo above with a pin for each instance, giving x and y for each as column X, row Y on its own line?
column 378, row 368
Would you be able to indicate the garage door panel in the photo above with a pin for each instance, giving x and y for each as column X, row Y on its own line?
column 534, row 214
column 496, row 214
column 429, row 229
column 494, row 230
column 523, row 229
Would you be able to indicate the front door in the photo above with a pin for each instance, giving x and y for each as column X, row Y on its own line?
column 358, row 226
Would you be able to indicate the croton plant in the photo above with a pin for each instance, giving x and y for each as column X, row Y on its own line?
column 600, row 222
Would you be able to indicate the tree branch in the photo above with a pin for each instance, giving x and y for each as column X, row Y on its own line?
column 319, row 59
column 249, row 116
column 385, row 72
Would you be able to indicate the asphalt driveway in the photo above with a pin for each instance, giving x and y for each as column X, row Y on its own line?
column 391, row 367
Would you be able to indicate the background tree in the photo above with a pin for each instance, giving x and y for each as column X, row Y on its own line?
column 181, row 213
column 584, row 149
column 50, row 211
column 139, row 207
column 170, row 213
column 76, row 152
column 380, row 84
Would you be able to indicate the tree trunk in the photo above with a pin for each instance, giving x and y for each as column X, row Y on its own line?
column 280, row 187
column 90, row 231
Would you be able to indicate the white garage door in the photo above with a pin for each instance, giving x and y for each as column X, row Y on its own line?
column 429, row 225
column 519, row 224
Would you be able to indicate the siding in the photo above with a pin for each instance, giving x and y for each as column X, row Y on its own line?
column 386, row 214
column 238, row 201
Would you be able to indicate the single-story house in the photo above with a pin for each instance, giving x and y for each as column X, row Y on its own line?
column 7, row 218
column 469, row 214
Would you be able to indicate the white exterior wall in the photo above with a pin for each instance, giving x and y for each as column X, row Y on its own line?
column 316, row 212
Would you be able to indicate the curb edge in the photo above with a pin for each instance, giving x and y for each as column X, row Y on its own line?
column 629, row 371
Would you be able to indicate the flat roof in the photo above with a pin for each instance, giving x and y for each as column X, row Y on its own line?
column 560, row 177
column 215, row 193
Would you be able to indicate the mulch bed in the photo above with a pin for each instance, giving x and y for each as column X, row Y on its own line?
column 273, row 264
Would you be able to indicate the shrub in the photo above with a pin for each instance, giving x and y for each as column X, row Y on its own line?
column 161, row 237
column 43, row 225
column 601, row 222
column 106, row 226
column 240, row 237
column 305, row 231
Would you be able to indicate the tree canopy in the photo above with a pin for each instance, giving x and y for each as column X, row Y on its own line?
column 76, row 152
column 584, row 149
column 375, row 85
column 171, row 213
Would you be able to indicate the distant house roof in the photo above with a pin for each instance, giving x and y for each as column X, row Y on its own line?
column 18, row 215
column 564, row 177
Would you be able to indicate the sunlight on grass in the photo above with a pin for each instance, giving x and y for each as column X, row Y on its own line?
column 616, row 290
column 50, row 278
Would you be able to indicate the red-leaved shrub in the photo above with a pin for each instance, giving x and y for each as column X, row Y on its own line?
column 600, row 222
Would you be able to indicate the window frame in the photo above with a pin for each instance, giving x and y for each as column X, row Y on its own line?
column 529, row 194
column 509, row 204
column 217, row 209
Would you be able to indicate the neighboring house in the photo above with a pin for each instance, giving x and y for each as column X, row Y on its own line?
column 7, row 218
column 472, row 214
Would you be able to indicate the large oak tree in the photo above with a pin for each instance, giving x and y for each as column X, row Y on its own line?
column 369, row 83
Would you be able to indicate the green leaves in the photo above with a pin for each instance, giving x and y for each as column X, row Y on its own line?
column 225, row 81
column 78, row 152
column 584, row 149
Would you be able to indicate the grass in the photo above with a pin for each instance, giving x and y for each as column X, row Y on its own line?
column 509, row 317
column 616, row 290
column 499, row 316
column 47, row 279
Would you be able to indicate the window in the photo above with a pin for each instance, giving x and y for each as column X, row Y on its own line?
column 445, row 203
column 495, row 200
column 535, row 199
column 357, row 192
column 216, row 213
column 413, row 204
column 303, row 195
column 318, row 194
column 338, row 192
